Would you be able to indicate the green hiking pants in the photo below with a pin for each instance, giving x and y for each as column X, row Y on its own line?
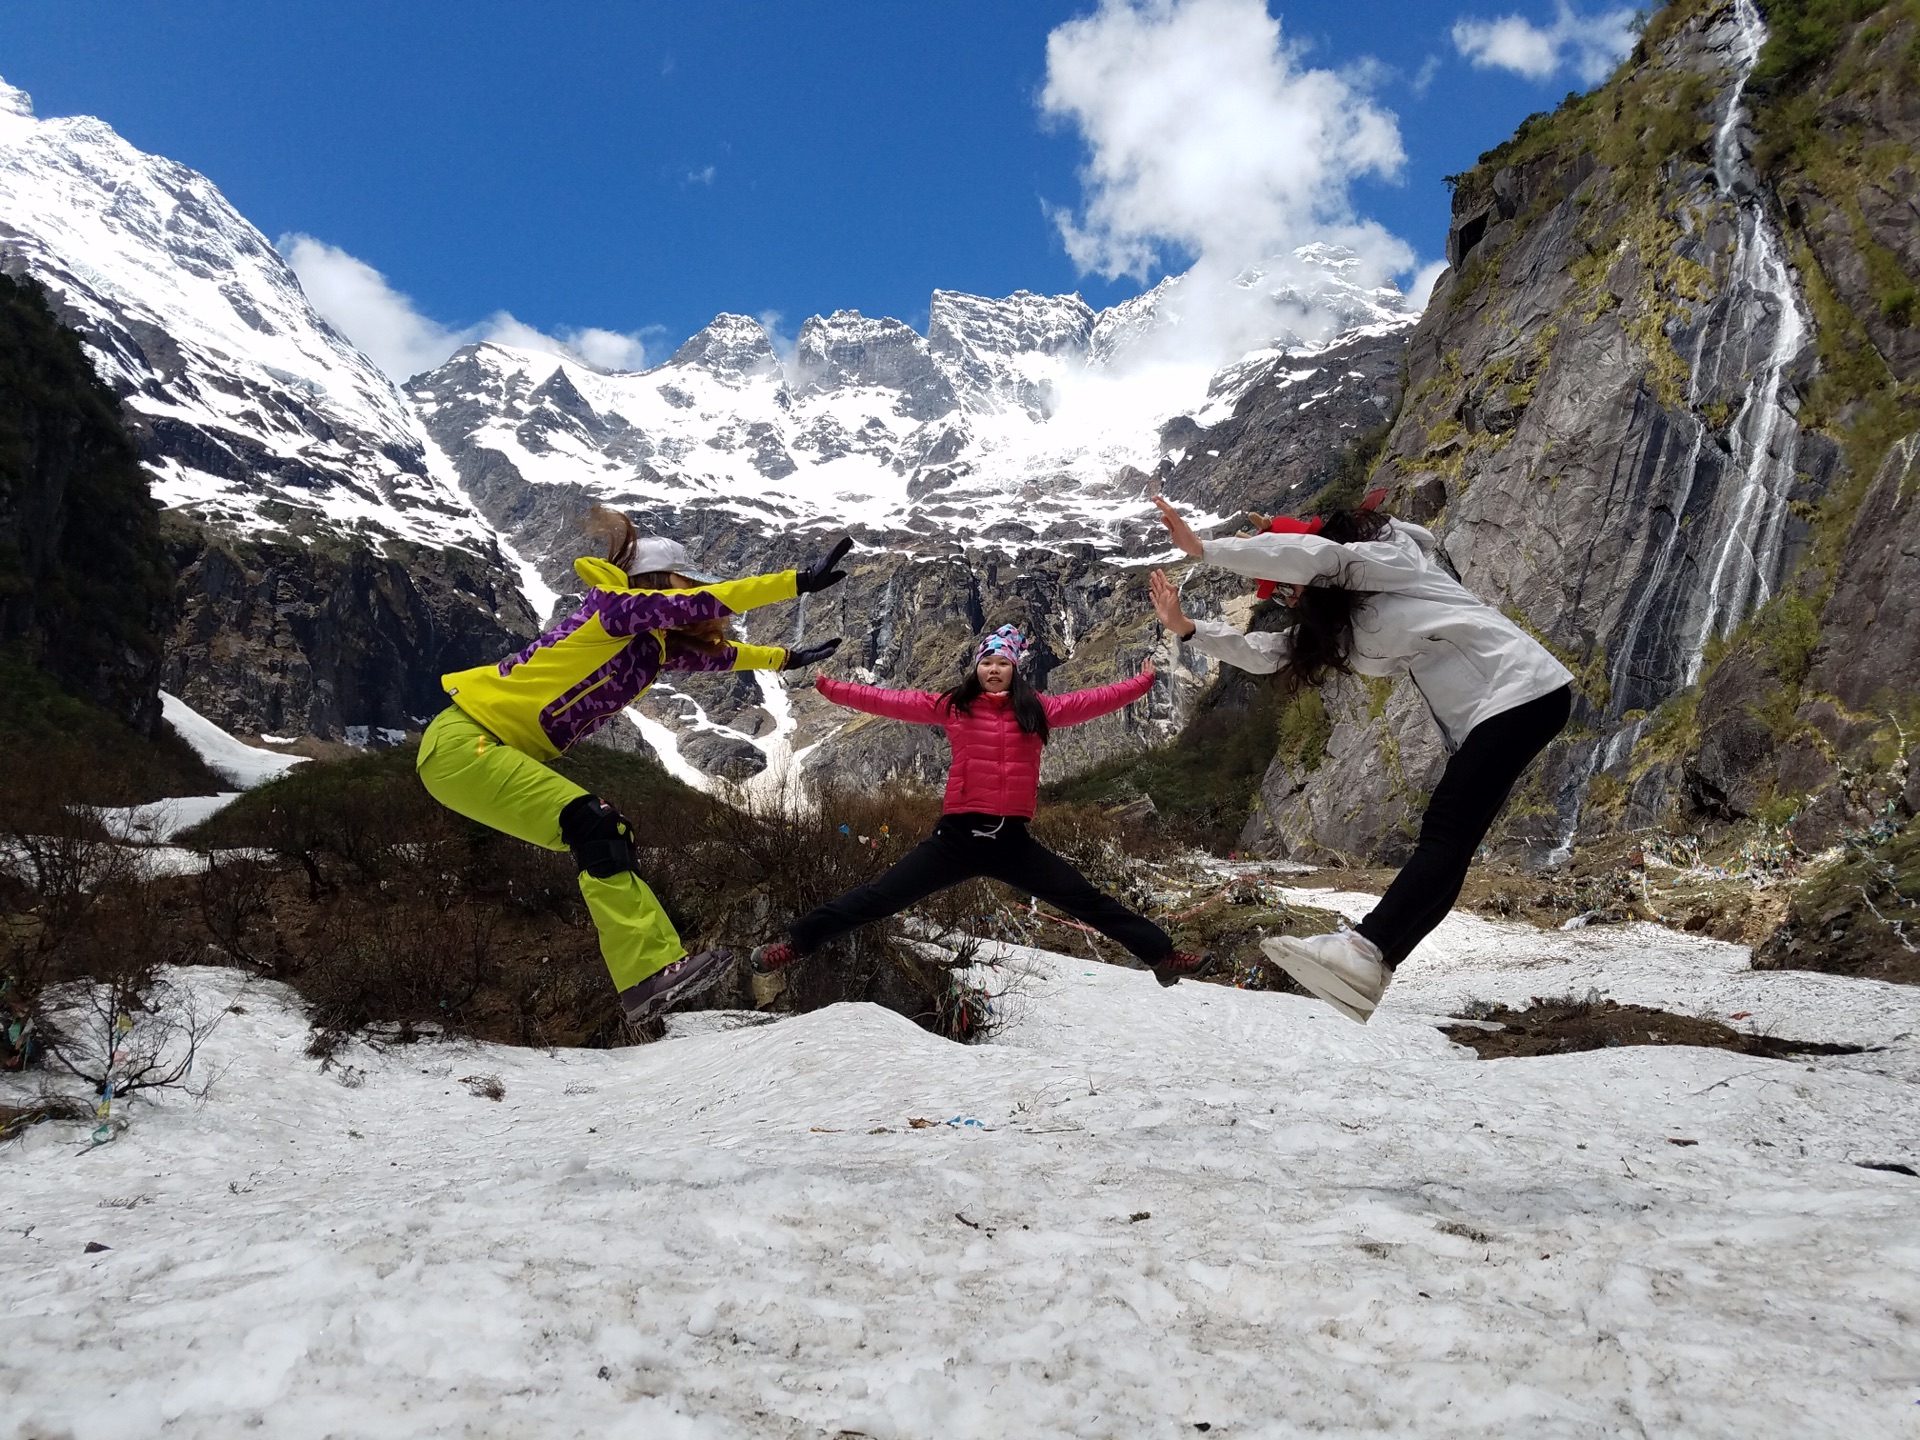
column 466, row 768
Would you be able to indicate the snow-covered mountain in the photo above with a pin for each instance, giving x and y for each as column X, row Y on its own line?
column 329, row 567
column 1023, row 420
column 254, row 413
column 1022, row 429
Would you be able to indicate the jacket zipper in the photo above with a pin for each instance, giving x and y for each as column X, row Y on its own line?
column 581, row 696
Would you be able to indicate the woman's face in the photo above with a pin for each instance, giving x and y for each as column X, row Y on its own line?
column 996, row 674
column 1290, row 595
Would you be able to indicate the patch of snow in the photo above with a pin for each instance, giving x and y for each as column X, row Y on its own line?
column 1139, row 1212
column 244, row 765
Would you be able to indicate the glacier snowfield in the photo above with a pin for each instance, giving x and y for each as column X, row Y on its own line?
column 1137, row 1212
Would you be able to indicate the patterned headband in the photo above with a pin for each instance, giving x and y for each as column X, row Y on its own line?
column 1006, row 642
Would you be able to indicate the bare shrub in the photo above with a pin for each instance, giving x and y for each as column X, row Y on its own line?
column 235, row 894
column 134, row 1027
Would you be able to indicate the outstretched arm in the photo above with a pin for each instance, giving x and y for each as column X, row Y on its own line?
column 1298, row 559
column 1261, row 651
column 625, row 611
column 679, row 652
column 1077, row 707
column 917, row 707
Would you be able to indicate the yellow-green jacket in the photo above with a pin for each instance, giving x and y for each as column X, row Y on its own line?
column 589, row 667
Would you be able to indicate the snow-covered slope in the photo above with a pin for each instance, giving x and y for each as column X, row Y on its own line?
column 1031, row 407
column 1141, row 1212
column 252, row 411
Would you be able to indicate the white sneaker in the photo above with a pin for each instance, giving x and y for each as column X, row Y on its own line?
column 1344, row 968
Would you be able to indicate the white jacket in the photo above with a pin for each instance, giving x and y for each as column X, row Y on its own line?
column 1466, row 658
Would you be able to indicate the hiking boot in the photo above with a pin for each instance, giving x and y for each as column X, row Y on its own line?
column 1344, row 968
column 685, row 978
column 768, row 958
column 1182, row 965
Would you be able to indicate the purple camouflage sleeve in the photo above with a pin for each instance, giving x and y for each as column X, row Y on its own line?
column 685, row 654
column 630, row 612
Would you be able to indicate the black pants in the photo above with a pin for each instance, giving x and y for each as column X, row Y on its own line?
column 964, row 847
column 1465, row 803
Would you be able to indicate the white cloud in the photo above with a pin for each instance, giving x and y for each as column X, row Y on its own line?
column 1588, row 45
column 357, row 301
column 1421, row 289
column 702, row 176
column 784, row 342
column 1208, row 137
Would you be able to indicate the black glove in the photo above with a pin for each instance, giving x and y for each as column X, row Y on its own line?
column 822, row 574
column 811, row 654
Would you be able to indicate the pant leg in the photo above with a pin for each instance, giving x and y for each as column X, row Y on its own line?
column 935, row 863
column 1019, row 860
column 467, row 769
column 1471, row 793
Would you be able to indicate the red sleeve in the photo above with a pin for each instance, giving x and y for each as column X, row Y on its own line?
column 918, row 707
column 1077, row 707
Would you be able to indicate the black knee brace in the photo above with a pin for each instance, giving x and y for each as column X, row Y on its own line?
column 599, row 836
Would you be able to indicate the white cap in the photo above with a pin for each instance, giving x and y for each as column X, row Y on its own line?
column 656, row 554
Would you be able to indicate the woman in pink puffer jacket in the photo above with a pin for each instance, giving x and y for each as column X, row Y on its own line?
column 996, row 724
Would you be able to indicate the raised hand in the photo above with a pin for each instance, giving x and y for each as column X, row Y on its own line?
column 1182, row 534
column 1146, row 667
column 1166, row 604
column 821, row 573
column 811, row 654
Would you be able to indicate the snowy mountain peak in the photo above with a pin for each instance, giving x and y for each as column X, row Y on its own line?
column 848, row 351
column 251, row 410
column 1023, row 419
column 732, row 348
column 15, row 101
column 989, row 347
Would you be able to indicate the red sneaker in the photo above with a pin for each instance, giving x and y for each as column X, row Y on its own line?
column 768, row 958
column 1182, row 965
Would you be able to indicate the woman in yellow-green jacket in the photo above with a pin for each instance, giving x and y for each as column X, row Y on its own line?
column 482, row 756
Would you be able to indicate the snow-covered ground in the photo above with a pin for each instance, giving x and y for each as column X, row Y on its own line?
column 1180, row 1208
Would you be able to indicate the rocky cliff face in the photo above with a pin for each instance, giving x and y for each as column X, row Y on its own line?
column 253, row 418
column 84, row 587
column 1614, row 421
column 343, row 642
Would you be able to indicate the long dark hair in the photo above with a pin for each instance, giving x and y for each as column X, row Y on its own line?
column 1323, row 616
column 1027, row 709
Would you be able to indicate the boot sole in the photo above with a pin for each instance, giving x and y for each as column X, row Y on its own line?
column 694, row 985
column 1322, row 982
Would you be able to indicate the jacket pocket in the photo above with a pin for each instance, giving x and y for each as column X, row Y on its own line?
column 567, row 702
column 1472, row 661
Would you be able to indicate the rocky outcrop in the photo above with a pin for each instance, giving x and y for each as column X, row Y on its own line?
column 342, row 643
column 1293, row 425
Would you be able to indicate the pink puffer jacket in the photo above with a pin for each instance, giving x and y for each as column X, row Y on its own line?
column 996, row 764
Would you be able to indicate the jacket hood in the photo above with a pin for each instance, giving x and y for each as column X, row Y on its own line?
column 603, row 574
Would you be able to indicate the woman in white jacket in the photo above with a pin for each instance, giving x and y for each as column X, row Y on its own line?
column 1369, row 598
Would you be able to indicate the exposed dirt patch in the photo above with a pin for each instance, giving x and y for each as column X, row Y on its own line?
column 1566, row 1027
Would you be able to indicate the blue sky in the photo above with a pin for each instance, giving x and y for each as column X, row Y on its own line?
column 640, row 167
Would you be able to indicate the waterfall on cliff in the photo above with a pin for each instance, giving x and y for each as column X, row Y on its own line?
column 1745, row 560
